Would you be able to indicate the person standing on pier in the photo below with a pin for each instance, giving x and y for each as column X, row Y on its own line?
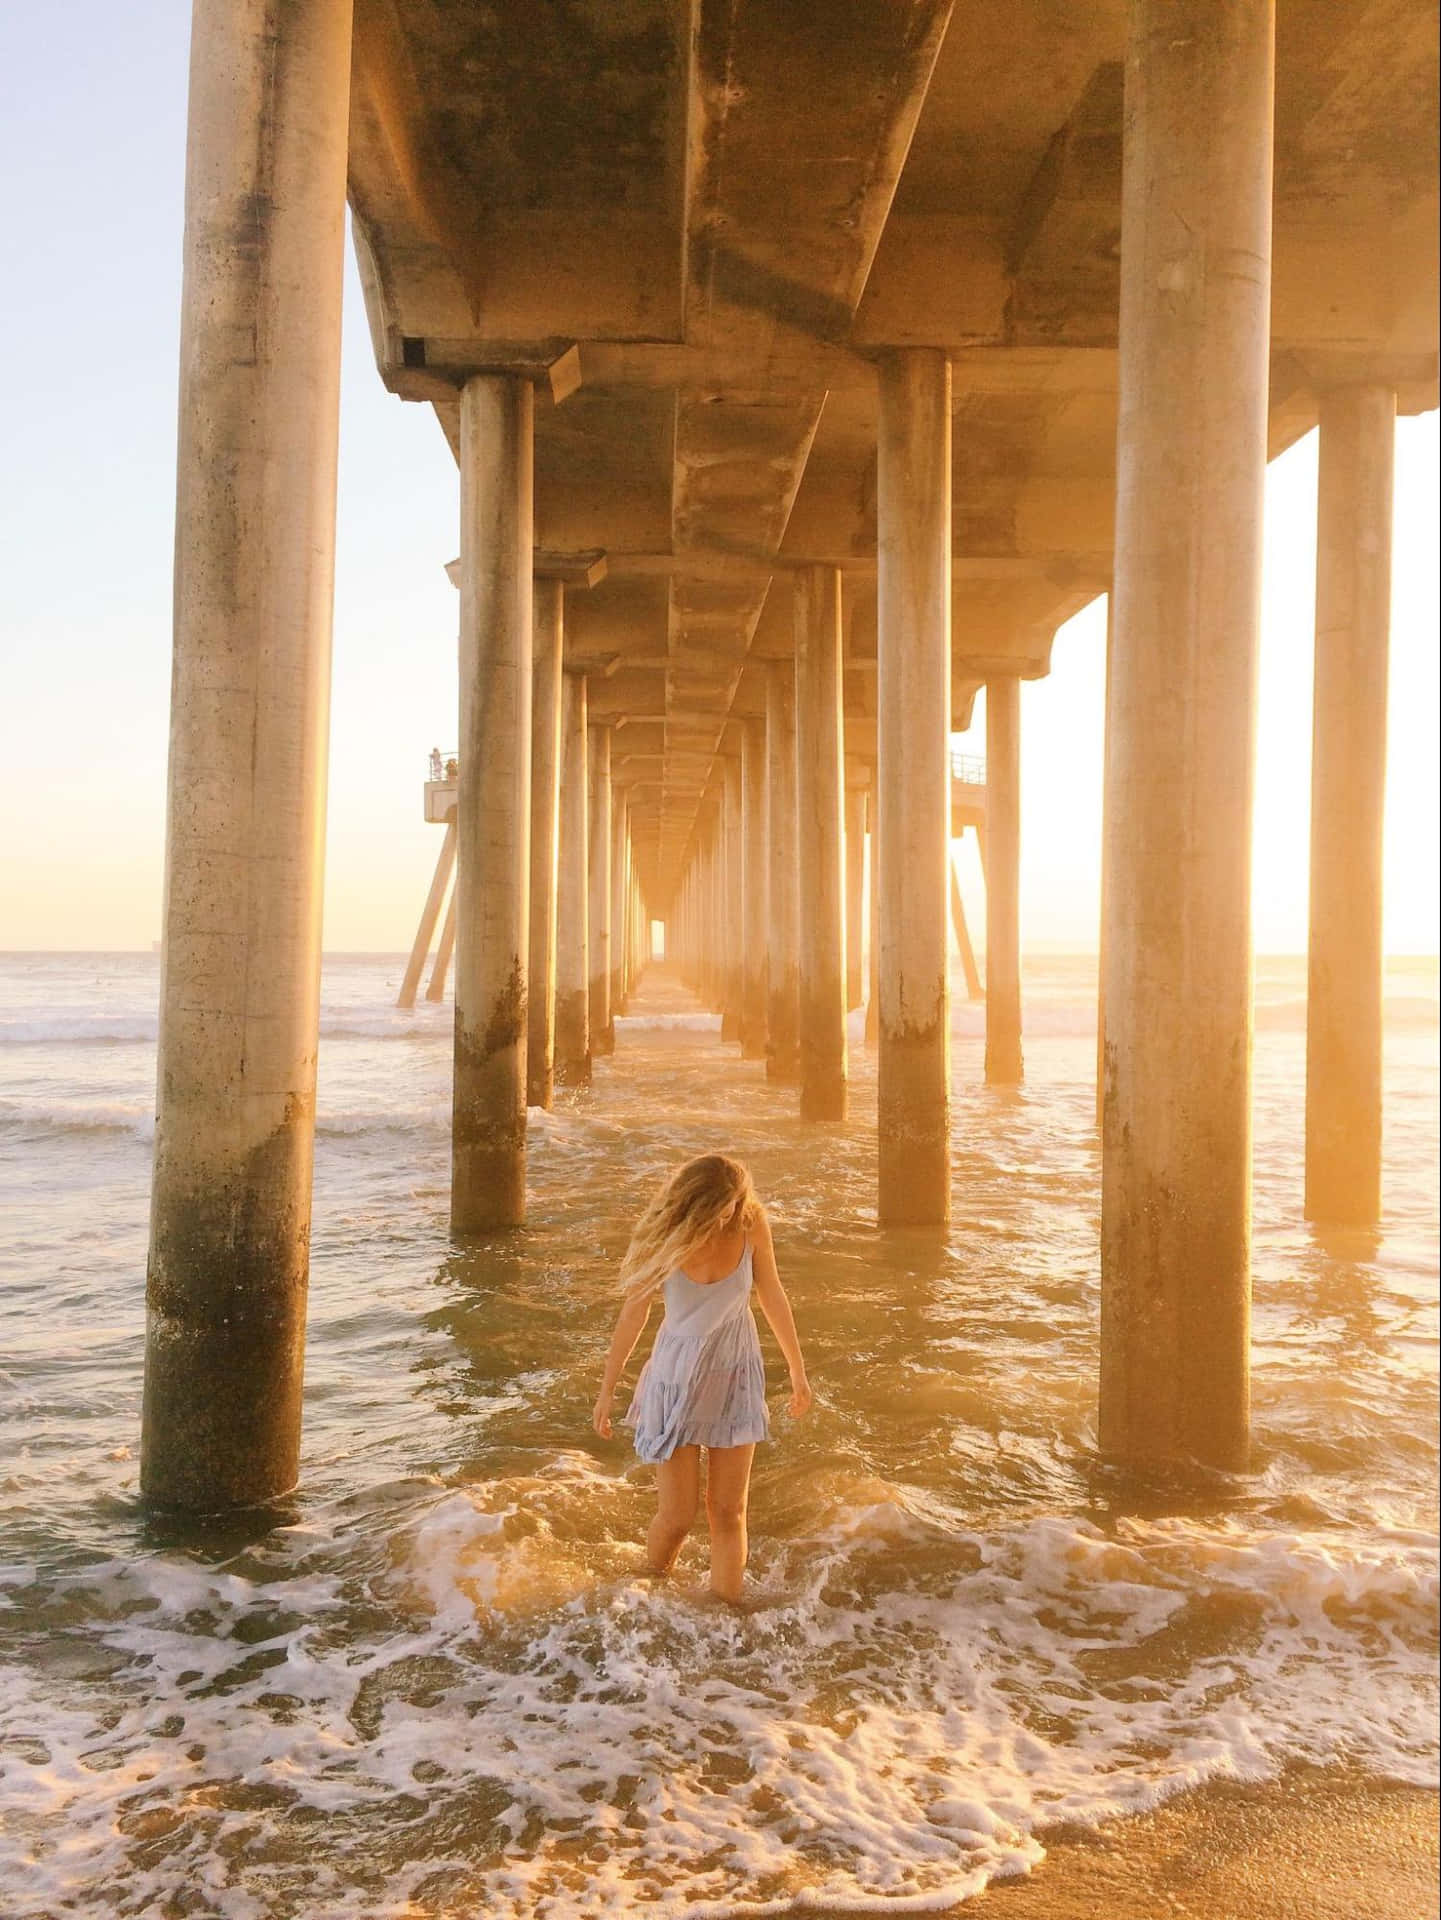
column 705, row 1243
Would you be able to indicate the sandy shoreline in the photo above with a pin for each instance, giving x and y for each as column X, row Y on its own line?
column 1314, row 1846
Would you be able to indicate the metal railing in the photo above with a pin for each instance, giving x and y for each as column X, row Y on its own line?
column 968, row 768
column 442, row 766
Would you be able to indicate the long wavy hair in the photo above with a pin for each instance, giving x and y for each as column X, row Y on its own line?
column 709, row 1195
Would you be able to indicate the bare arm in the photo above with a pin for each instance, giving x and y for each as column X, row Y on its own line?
column 632, row 1319
column 777, row 1310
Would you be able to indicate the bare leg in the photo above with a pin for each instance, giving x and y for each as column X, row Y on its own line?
column 677, row 1482
column 727, row 1489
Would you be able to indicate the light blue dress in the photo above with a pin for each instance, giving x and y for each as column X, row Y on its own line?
column 704, row 1384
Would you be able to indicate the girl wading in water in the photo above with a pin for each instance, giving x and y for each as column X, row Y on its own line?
column 703, row 1241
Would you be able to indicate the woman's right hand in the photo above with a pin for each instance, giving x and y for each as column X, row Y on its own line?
column 600, row 1416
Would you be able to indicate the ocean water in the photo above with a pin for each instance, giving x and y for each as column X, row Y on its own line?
column 438, row 1682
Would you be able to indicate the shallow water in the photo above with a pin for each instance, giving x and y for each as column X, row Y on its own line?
column 442, row 1685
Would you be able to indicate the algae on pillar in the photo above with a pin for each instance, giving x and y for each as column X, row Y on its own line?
column 782, row 971
column 254, row 553
column 1003, row 881
column 1348, row 791
column 493, row 804
column 1191, row 457
column 913, row 736
column 572, row 944
column 820, row 799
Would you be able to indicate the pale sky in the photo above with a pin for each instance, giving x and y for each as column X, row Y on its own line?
column 93, row 144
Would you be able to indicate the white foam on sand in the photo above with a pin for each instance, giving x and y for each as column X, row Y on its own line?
column 512, row 1716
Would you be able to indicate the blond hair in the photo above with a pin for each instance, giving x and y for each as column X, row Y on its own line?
column 708, row 1196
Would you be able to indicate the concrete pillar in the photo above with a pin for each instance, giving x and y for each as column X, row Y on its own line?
column 1348, row 786
column 254, row 556
column 782, row 970
column 974, row 989
column 820, row 799
column 855, row 848
column 602, row 1035
column 435, row 992
column 429, row 914
column 1003, row 881
column 618, row 856
column 493, row 804
column 873, row 919
column 572, row 943
column 547, row 653
column 913, row 737
column 731, row 949
column 754, row 891
column 1191, row 457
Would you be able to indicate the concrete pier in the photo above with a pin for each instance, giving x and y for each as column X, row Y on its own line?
column 547, row 673
column 493, row 805
column 873, row 917
column 820, row 799
column 854, row 827
column 254, row 556
column 602, row 1034
column 572, row 943
column 732, row 952
column 1194, row 349
column 1348, row 788
column 1003, row 882
column 783, row 955
column 430, row 913
column 619, row 884
column 913, row 735
column 444, row 953
column 754, row 892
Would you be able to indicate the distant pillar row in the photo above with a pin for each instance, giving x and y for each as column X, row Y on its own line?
column 732, row 944
column 820, row 799
column 1003, row 881
column 753, row 935
column 1191, row 456
column 254, row 557
column 1348, row 784
column 855, row 851
column 619, row 887
column 782, row 962
column 572, row 947
column 913, row 736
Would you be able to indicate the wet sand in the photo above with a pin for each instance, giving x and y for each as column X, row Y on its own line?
column 1315, row 1846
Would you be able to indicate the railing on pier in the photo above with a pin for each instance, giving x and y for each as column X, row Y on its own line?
column 968, row 768
column 441, row 768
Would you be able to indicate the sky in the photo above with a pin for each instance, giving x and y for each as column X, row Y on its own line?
column 93, row 144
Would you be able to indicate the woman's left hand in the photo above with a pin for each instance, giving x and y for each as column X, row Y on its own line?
column 600, row 1415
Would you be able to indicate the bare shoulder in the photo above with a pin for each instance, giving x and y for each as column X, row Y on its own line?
column 761, row 1227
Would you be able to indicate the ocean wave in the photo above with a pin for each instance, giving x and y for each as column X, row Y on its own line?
column 79, row 1029
column 898, row 1722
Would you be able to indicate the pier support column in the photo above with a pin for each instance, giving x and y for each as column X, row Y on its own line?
column 1003, row 881
column 754, row 941
column 572, row 942
column 1191, row 458
column 783, row 960
column 602, row 1035
column 1348, row 790
column 430, row 913
column 913, row 738
column 854, row 828
column 249, row 719
column 873, row 918
column 820, row 799
column 733, row 829
column 444, row 951
column 548, row 632
column 619, row 851
column 493, row 804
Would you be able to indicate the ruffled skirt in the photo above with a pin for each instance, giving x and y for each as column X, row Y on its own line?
column 707, row 1392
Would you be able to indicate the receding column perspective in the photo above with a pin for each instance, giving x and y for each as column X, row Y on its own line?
column 572, row 944
column 1191, row 455
column 732, row 953
column 1003, row 881
column 754, row 891
column 820, row 799
column 619, row 883
column 493, row 806
column 254, row 559
column 602, row 1035
column 782, row 959
column 548, row 646
column 1348, row 789
column 855, row 848
column 913, row 709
